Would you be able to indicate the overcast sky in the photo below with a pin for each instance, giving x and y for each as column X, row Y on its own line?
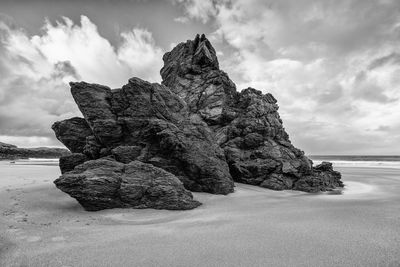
column 334, row 66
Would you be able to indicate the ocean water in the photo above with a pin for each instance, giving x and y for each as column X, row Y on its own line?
column 24, row 172
column 359, row 161
column 337, row 161
column 34, row 161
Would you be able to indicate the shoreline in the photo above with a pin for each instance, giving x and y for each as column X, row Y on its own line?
column 255, row 226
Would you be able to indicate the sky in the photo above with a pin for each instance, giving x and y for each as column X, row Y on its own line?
column 333, row 65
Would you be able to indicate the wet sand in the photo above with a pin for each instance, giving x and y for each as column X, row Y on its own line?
column 41, row 226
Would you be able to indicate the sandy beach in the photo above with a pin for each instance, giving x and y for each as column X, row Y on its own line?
column 42, row 226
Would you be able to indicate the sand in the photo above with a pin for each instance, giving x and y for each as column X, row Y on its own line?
column 41, row 226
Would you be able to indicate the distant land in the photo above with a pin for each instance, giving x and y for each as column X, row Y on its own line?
column 12, row 152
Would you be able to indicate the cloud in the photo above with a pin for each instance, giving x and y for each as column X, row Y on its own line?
column 139, row 51
column 367, row 88
column 181, row 20
column 35, row 72
column 202, row 10
column 383, row 128
column 334, row 66
column 393, row 58
column 94, row 58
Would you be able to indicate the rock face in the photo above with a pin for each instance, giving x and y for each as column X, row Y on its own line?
column 246, row 124
column 103, row 183
column 194, row 125
column 155, row 123
column 324, row 178
column 72, row 133
column 69, row 162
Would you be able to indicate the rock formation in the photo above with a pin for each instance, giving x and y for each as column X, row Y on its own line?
column 104, row 183
column 195, row 126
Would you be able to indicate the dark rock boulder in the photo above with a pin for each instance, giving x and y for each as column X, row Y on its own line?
column 126, row 154
column 256, row 145
column 195, row 126
column 69, row 162
column 72, row 133
column 104, row 183
column 324, row 178
column 154, row 120
column 246, row 125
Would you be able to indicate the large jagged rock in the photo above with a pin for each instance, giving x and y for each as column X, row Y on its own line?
column 246, row 124
column 195, row 125
column 104, row 183
column 157, row 122
column 192, row 71
column 256, row 145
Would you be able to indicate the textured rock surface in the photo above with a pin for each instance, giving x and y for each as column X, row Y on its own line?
column 246, row 124
column 323, row 178
column 104, row 183
column 194, row 125
column 156, row 122
column 192, row 71
column 69, row 162
column 256, row 145
column 126, row 154
column 72, row 133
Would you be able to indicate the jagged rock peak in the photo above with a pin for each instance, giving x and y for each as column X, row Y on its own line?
column 194, row 56
column 191, row 70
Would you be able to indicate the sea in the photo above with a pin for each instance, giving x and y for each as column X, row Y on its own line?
column 337, row 161
column 358, row 161
column 34, row 161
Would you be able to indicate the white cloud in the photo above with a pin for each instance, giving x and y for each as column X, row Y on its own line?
column 35, row 72
column 202, row 10
column 315, row 57
column 94, row 58
column 181, row 20
column 140, row 53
